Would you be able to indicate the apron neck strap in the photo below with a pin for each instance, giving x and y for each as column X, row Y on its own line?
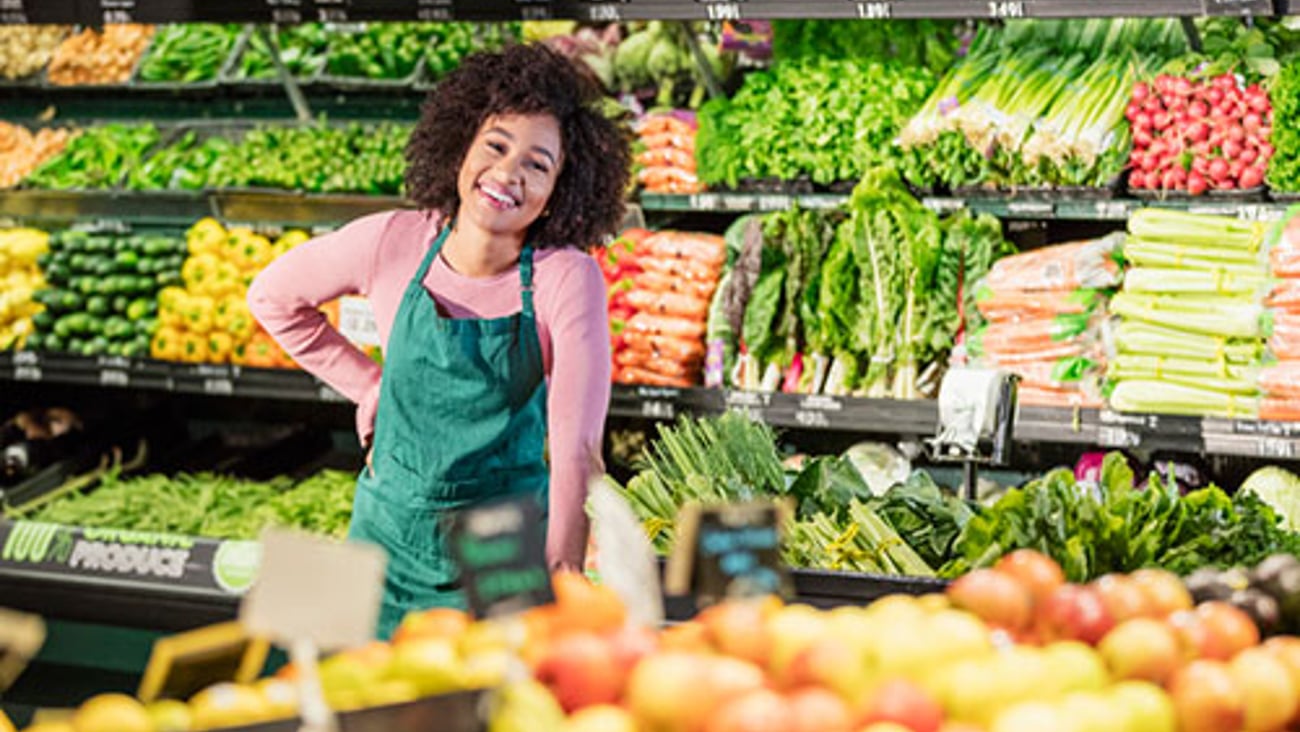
column 526, row 279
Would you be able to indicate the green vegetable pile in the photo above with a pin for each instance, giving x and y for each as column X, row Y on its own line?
column 1258, row 50
column 931, row 44
column 379, row 50
column 210, row 505
column 1284, row 167
column 95, row 158
column 823, row 121
column 1038, row 104
column 181, row 165
column 1122, row 528
column 352, row 158
column 302, row 49
column 102, row 296
column 874, row 290
column 451, row 42
column 186, row 53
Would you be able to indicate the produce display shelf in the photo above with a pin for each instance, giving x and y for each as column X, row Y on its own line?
column 914, row 418
column 297, row 11
column 1012, row 207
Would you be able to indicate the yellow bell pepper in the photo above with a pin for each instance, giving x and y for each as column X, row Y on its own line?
column 239, row 353
column 171, row 306
column 199, row 272
column 166, row 344
column 233, row 316
column 227, row 279
column 198, row 314
column 194, row 348
column 291, row 238
column 205, row 236
column 253, row 253
column 219, row 346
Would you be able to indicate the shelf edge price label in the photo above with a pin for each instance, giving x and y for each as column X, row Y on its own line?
column 875, row 11
column 606, row 12
column 114, row 377
column 1116, row 436
column 1276, row 447
column 1006, row 8
column 501, row 550
column 729, row 551
column 182, row 665
column 218, row 386
column 21, row 637
column 11, row 12
column 27, row 373
column 722, row 10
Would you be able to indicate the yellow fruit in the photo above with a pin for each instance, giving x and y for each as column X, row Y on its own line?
column 344, row 674
column 5, row 724
column 169, row 715
column 50, row 727
column 281, row 697
column 394, row 691
column 526, row 706
column 432, row 664
column 227, row 705
column 112, row 713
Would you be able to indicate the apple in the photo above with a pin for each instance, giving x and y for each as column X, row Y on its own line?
column 1165, row 591
column 794, row 628
column 1075, row 612
column 739, row 628
column 838, row 665
column 902, row 702
column 1286, row 649
column 1193, row 636
column 819, row 710
column 1142, row 648
column 601, row 718
column 1035, row 570
column 1207, row 698
column 1122, row 597
column 1271, row 697
column 1073, row 666
column 581, row 669
column 996, row 598
column 1230, row 629
column 438, row 622
column 760, row 710
column 631, row 643
column 678, row 691
column 1148, row 707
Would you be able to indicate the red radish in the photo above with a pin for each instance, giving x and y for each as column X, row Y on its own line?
column 1201, row 166
column 1265, row 150
column 1251, row 123
column 1249, row 155
column 1141, row 138
column 1196, row 184
column 1235, row 132
column 1214, row 96
column 1137, row 179
column 1198, row 131
column 1234, row 169
column 1227, row 184
column 1163, row 83
column 1251, row 177
column 1232, row 149
column 1225, row 81
column 1131, row 111
column 1142, row 121
column 1141, row 91
column 1171, row 180
column 1182, row 87
column 1161, row 120
column 1197, row 110
column 1265, row 132
column 1218, row 169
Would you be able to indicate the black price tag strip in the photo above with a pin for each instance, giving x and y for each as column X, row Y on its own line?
column 729, row 551
column 182, row 665
column 501, row 548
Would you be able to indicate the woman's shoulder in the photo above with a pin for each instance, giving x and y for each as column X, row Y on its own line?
column 561, row 263
column 396, row 225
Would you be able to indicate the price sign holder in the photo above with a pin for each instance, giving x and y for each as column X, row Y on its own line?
column 625, row 559
column 501, row 549
column 184, row 664
column 311, row 595
column 729, row 551
column 21, row 638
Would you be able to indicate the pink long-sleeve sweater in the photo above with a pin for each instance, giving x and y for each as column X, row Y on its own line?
column 376, row 256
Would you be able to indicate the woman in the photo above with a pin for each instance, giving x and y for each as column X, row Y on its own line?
column 495, row 332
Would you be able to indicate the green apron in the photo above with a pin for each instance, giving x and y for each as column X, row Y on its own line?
column 461, row 421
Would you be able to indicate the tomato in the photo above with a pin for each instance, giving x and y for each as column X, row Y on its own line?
column 1035, row 570
column 996, row 598
column 1075, row 612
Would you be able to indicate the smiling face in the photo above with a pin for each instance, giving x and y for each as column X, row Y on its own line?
column 509, row 172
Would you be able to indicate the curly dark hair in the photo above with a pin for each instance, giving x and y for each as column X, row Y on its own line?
column 587, row 203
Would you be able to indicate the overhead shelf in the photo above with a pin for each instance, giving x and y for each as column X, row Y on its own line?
column 916, row 418
column 299, row 11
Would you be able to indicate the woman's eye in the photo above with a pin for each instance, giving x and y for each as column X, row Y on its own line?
column 496, row 147
column 539, row 167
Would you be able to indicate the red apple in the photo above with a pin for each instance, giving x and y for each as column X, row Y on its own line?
column 833, row 664
column 1207, row 698
column 996, row 598
column 1230, row 629
column 1035, row 570
column 739, row 628
column 905, row 703
column 1075, row 612
column 1270, row 695
column 631, row 643
column 580, row 669
column 1122, row 597
column 1286, row 649
column 1166, row 593
column 1193, row 637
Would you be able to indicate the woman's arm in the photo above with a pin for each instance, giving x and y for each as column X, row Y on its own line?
column 285, row 296
column 577, row 403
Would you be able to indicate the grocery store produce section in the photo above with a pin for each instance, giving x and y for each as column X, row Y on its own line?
column 829, row 213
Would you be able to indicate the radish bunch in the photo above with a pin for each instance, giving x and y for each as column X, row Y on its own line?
column 1195, row 136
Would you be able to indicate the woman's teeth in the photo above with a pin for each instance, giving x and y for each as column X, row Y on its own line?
column 499, row 197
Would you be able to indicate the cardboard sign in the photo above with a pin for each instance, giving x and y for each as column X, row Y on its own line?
column 21, row 638
column 729, row 551
column 315, row 589
column 625, row 559
column 501, row 548
column 184, row 664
